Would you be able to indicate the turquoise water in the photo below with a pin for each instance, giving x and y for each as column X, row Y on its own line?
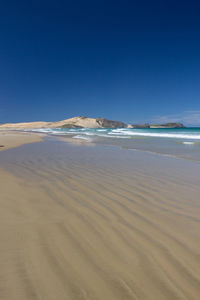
column 180, row 142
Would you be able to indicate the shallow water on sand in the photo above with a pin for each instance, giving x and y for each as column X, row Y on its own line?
column 179, row 142
column 98, row 222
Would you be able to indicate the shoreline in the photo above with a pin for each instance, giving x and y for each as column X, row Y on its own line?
column 84, row 142
column 16, row 138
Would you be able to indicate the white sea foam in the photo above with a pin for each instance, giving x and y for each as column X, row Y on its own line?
column 189, row 143
column 155, row 134
column 81, row 137
column 123, row 133
column 43, row 130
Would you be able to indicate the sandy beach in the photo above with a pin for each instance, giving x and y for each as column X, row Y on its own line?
column 11, row 139
column 80, row 222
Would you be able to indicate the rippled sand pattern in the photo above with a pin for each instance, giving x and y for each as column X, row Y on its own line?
column 96, row 227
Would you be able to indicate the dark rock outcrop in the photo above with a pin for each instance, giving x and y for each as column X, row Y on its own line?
column 139, row 126
column 167, row 125
column 71, row 126
column 105, row 123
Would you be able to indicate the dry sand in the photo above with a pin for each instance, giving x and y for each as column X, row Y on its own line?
column 71, row 231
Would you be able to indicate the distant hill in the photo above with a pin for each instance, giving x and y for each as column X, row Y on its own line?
column 84, row 122
column 76, row 122
column 166, row 125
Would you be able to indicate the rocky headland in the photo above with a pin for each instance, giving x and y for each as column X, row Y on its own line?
column 166, row 125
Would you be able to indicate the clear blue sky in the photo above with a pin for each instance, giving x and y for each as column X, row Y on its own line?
column 133, row 61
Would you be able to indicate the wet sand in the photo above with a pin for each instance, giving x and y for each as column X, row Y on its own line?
column 11, row 139
column 80, row 222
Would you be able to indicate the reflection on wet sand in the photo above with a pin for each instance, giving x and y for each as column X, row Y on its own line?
column 97, row 223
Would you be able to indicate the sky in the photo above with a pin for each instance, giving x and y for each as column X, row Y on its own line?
column 134, row 61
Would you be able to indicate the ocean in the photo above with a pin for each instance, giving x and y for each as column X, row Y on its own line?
column 179, row 142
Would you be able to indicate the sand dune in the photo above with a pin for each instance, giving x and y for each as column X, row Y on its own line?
column 75, row 228
column 71, row 123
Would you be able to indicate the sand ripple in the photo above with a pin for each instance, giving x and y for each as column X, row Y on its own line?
column 90, row 230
